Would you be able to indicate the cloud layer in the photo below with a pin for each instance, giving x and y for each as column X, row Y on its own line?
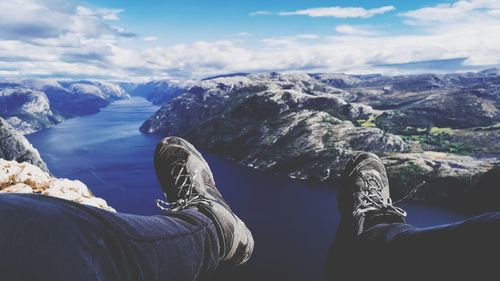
column 340, row 12
column 57, row 39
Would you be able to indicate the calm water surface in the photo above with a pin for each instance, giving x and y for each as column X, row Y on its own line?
column 293, row 222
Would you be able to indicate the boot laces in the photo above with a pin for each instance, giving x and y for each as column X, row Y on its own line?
column 185, row 183
column 373, row 199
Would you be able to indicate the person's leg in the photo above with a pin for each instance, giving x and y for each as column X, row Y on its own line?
column 465, row 249
column 45, row 238
column 188, row 183
column 373, row 239
column 363, row 201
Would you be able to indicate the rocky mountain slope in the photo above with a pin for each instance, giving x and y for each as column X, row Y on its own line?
column 33, row 104
column 159, row 91
column 14, row 146
column 442, row 128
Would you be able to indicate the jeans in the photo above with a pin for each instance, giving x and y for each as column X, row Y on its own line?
column 468, row 250
column 46, row 238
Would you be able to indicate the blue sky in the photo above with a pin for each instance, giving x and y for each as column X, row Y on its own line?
column 142, row 40
column 191, row 20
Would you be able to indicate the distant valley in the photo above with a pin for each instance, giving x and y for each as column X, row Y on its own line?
column 29, row 105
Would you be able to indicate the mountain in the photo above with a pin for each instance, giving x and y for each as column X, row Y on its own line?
column 33, row 104
column 14, row 146
column 440, row 128
column 449, row 113
column 160, row 91
column 291, row 124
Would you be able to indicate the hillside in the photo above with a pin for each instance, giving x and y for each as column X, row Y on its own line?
column 442, row 128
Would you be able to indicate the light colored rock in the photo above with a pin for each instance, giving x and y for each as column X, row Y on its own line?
column 18, row 188
column 25, row 178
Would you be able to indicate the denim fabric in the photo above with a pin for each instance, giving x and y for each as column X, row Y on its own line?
column 45, row 238
column 468, row 250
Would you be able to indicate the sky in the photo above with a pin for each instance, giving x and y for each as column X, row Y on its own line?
column 144, row 40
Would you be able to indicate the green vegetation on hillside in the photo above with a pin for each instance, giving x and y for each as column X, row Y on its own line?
column 496, row 126
column 441, row 131
column 441, row 142
column 370, row 123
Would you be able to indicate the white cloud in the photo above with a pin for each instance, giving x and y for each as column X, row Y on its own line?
column 34, row 42
column 150, row 38
column 355, row 30
column 56, row 37
column 35, row 19
column 28, row 19
column 118, row 30
column 340, row 12
column 362, row 50
column 260, row 13
column 283, row 42
column 288, row 41
column 456, row 12
column 243, row 34
column 472, row 27
column 307, row 36
column 101, row 13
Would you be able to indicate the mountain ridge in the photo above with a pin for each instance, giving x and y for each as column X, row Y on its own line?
column 442, row 128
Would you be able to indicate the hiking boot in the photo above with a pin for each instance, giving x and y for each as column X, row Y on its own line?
column 187, row 182
column 364, row 198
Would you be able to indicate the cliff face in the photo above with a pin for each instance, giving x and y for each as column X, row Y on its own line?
column 14, row 146
column 441, row 128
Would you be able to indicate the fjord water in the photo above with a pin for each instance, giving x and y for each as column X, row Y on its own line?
column 293, row 222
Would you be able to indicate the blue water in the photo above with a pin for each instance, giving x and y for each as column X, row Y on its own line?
column 293, row 222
